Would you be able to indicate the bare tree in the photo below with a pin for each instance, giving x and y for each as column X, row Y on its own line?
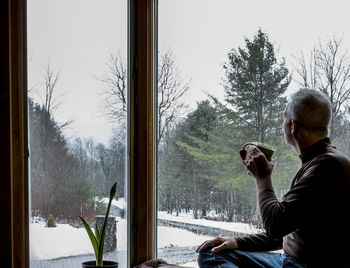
column 50, row 86
column 328, row 70
column 115, row 101
column 171, row 90
column 307, row 72
column 111, row 160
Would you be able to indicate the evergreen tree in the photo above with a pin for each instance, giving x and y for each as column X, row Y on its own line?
column 196, row 129
column 253, row 111
column 183, row 170
column 59, row 182
column 254, row 88
column 201, row 158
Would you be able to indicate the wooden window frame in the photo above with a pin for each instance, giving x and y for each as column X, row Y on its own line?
column 14, row 224
column 13, row 134
column 142, row 64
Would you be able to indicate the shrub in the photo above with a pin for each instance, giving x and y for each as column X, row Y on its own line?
column 51, row 221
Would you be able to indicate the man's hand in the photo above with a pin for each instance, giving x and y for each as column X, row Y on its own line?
column 222, row 243
column 256, row 163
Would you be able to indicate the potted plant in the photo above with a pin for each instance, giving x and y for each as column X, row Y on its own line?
column 97, row 239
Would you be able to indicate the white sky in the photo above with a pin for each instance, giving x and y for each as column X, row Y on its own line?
column 76, row 37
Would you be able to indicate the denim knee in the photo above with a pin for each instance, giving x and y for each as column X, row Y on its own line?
column 204, row 258
column 224, row 259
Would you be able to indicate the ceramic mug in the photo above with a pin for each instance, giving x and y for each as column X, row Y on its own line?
column 266, row 150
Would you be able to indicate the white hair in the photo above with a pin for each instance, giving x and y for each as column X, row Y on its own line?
column 312, row 109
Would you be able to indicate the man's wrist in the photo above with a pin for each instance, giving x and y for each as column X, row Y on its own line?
column 264, row 184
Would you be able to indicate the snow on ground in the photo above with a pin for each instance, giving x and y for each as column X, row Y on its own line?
column 120, row 203
column 193, row 264
column 232, row 226
column 169, row 236
column 65, row 240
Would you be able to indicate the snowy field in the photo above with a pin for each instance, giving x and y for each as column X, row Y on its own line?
column 231, row 226
column 65, row 241
column 169, row 237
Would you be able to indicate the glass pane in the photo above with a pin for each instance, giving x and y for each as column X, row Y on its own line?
column 213, row 98
column 77, row 52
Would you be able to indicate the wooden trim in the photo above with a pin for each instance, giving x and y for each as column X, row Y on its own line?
column 142, row 132
column 18, row 133
column 13, row 157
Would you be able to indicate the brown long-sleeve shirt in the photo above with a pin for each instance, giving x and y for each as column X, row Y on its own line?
column 312, row 222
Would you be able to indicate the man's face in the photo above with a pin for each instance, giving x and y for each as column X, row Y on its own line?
column 287, row 127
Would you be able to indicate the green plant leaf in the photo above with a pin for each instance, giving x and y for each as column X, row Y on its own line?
column 103, row 229
column 92, row 237
column 97, row 234
column 112, row 192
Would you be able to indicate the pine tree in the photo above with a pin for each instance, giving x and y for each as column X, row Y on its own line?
column 254, row 88
column 183, row 166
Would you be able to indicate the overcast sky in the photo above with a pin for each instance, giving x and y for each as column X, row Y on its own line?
column 76, row 37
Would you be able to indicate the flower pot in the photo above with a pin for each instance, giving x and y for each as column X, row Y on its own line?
column 106, row 264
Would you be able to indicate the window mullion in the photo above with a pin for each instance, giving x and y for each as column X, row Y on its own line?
column 142, row 131
column 18, row 134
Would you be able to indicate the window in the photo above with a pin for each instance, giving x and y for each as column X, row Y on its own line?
column 77, row 110
column 141, row 67
column 210, row 104
column 14, row 192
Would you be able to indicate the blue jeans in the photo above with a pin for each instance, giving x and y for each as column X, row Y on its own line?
column 245, row 259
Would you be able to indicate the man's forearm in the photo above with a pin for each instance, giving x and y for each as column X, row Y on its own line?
column 258, row 242
column 263, row 184
column 270, row 208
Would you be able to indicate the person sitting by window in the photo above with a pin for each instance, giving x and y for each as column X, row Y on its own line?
column 312, row 222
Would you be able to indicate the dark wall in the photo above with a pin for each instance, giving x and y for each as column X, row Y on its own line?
column 5, row 182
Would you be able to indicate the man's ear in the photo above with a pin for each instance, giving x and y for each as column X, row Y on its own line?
column 293, row 127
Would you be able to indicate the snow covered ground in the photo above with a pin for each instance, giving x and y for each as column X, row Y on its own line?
column 66, row 241
column 170, row 237
column 63, row 240
column 231, row 226
column 121, row 203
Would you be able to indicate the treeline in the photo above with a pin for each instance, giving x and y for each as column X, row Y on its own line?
column 199, row 165
column 66, row 176
column 200, row 168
